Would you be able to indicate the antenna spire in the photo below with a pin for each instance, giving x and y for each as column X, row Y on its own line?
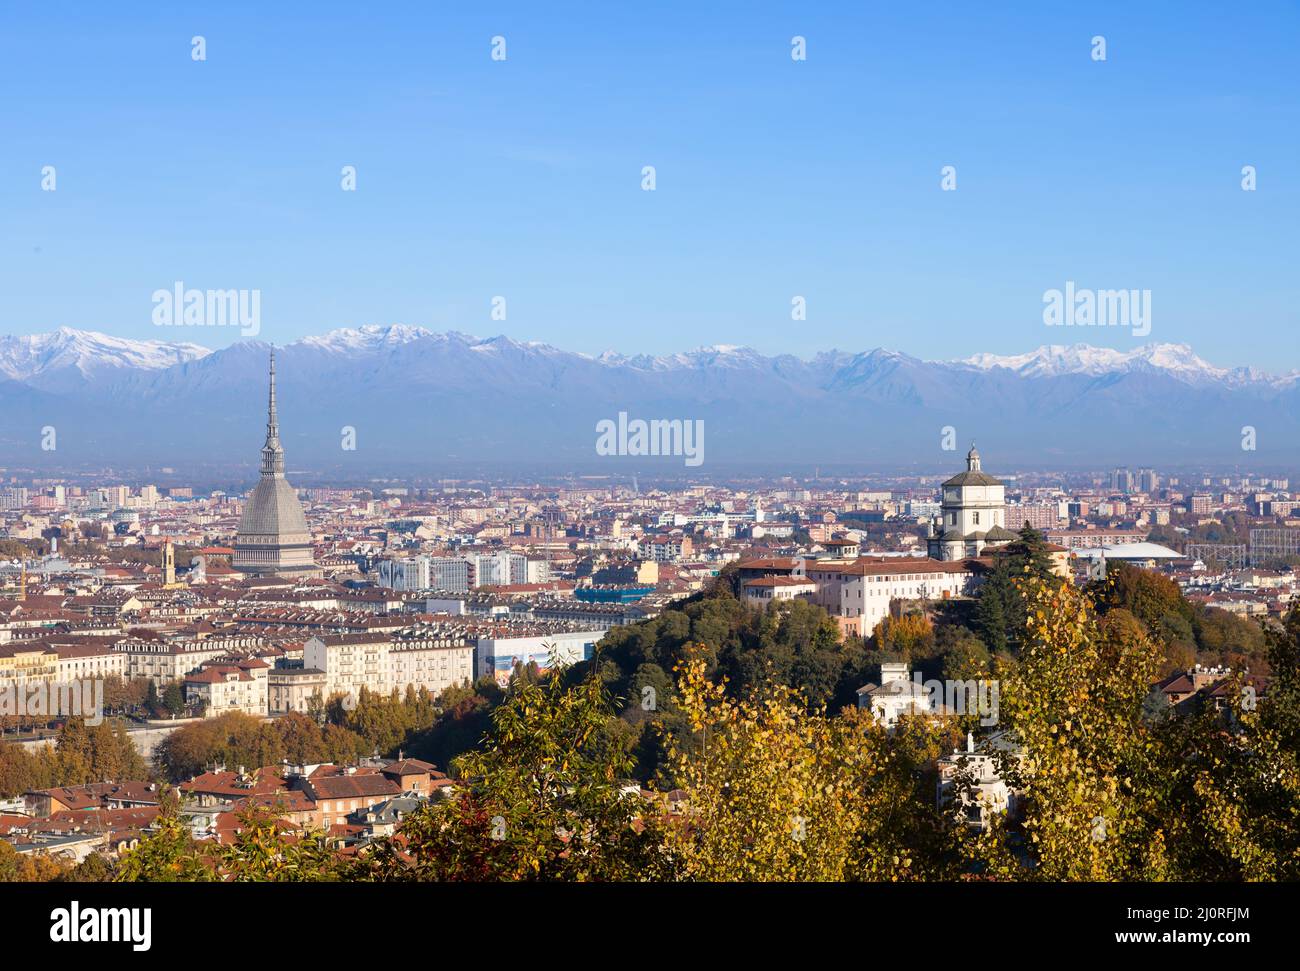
column 272, row 452
column 272, row 421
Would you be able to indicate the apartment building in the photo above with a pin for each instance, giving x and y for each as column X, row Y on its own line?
column 498, row 569
column 409, row 573
column 166, row 661
column 91, row 657
column 350, row 662
column 1040, row 515
column 25, row 664
column 293, row 688
column 665, row 549
column 431, row 661
column 222, row 688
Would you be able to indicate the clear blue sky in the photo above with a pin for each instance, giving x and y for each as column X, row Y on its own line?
column 775, row 178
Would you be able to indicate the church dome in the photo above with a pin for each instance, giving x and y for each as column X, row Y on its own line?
column 273, row 509
column 1000, row 534
column 973, row 476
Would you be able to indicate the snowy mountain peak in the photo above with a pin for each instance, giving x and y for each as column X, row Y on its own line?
column 714, row 355
column 1052, row 360
column 89, row 353
column 367, row 337
column 543, row 401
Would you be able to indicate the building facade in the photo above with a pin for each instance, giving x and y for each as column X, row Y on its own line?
column 221, row 688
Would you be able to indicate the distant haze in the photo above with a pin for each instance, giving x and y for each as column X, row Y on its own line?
column 423, row 400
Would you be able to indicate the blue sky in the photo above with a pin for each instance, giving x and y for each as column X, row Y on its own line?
column 522, row 178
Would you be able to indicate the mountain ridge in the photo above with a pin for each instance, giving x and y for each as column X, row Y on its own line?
column 39, row 351
column 420, row 397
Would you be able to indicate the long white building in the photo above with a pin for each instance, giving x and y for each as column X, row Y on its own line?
column 165, row 661
column 429, row 660
column 858, row 594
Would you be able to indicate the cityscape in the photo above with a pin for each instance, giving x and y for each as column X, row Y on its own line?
column 641, row 546
column 300, row 608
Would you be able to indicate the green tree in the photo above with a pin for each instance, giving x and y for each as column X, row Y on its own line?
column 167, row 854
column 173, row 699
column 93, row 869
column 266, row 850
column 542, row 800
column 999, row 612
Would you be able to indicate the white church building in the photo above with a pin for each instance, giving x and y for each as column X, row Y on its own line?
column 972, row 514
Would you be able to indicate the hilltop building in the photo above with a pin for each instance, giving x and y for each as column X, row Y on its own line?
column 972, row 514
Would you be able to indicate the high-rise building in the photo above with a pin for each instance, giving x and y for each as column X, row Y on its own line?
column 273, row 538
column 408, row 573
column 537, row 571
column 1040, row 515
column 452, row 573
column 13, row 497
column 499, row 569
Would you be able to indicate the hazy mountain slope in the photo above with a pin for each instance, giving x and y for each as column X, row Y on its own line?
column 418, row 398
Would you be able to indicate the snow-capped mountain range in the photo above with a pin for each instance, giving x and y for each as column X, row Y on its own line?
column 90, row 354
column 1174, row 359
column 418, row 397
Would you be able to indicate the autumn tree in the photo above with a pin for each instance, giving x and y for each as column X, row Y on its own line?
column 905, row 637
column 267, row 850
column 1089, row 781
column 1233, row 778
column 779, row 791
column 542, row 799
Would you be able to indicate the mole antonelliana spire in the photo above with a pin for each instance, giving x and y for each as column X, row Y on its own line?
column 272, row 452
column 273, row 537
